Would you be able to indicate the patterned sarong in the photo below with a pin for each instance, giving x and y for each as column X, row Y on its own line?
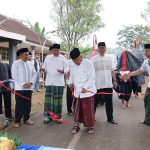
column 53, row 99
column 147, row 107
column 83, row 111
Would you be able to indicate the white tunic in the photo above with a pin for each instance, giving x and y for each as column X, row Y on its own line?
column 83, row 76
column 103, row 67
column 51, row 65
column 23, row 72
column 146, row 67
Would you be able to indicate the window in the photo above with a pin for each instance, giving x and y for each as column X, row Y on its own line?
column 4, row 53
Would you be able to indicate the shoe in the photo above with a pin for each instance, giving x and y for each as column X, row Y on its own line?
column 11, row 118
column 38, row 90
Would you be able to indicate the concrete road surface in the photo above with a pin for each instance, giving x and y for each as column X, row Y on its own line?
column 129, row 134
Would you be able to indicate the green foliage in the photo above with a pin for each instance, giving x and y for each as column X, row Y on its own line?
column 10, row 137
column 76, row 19
column 85, row 50
column 36, row 28
column 129, row 33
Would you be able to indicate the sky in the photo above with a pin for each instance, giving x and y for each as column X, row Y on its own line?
column 115, row 14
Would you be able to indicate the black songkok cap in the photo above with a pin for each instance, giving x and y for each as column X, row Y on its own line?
column 18, row 53
column 101, row 44
column 30, row 53
column 146, row 46
column 23, row 50
column 74, row 53
column 56, row 46
column 51, row 47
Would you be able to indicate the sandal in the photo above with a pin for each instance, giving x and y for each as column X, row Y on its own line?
column 90, row 130
column 112, row 121
column 29, row 122
column 75, row 129
column 17, row 125
column 47, row 120
column 59, row 121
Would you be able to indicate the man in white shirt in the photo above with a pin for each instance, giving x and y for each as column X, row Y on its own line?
column 104, row 71
column 24, row 75
column 145, row 67
column 36, row 63
column 55, row 66
column 82, row 81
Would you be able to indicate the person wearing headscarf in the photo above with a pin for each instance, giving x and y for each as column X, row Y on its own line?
column 82, row 81
column 24, row 75
column 55, row 66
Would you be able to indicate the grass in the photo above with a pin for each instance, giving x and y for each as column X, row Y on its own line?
column 37, row 102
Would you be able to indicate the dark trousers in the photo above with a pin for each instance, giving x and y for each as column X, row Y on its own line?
column 108, row 102
column 23, row 106
column 69, row 100
column 7, row 103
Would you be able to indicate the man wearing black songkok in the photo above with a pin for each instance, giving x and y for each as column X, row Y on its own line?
column 82, row 81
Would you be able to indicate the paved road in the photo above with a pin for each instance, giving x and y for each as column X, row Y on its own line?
column 129, row 134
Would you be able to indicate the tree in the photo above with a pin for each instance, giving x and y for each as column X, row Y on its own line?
column 129, row 33
column 146, row 14
column 85, row 49
column 36, row 28
column 76, row 19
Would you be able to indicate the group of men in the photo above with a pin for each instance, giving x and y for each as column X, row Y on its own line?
column 26, row 73
column 86, row 80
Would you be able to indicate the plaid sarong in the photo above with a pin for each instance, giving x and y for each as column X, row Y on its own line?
column 53, row 99
column 147, row 107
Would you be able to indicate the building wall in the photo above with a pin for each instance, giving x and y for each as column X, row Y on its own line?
column 4, row 53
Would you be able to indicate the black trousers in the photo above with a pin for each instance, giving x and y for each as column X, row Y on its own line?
column 108, row 102
column 69, row 100
column 7, row 103
column 23, row 106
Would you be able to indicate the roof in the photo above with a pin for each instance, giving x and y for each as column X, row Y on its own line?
column 15, row 26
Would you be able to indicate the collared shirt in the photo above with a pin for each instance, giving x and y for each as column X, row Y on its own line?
column 23, row 72
column 51, row 65
column 103, row 67
column 83, row 76
column 146, row 67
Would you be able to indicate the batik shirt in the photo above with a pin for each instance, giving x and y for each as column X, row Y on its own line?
column 103, row 68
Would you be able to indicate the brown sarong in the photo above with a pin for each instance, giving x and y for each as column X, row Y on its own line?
column 83, row 111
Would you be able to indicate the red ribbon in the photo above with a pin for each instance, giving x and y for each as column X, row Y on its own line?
column 54, row 116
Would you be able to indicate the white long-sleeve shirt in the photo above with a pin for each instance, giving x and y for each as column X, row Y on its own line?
column 23, row 72
column 103, row 68
column 51, row 65
column 83, row 76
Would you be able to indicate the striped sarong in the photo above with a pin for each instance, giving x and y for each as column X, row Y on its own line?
column 147, row 107
column 53, row 99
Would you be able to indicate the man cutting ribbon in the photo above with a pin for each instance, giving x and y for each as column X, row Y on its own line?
column 82, row 79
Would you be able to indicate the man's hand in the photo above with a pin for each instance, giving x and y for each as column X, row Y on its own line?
column 83, row 90
column 27, row 85
column 71, row 86
column 60, row 71
column 125, row 77
column 115, row 83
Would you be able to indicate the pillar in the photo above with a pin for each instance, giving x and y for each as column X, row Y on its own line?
column 12, row 51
